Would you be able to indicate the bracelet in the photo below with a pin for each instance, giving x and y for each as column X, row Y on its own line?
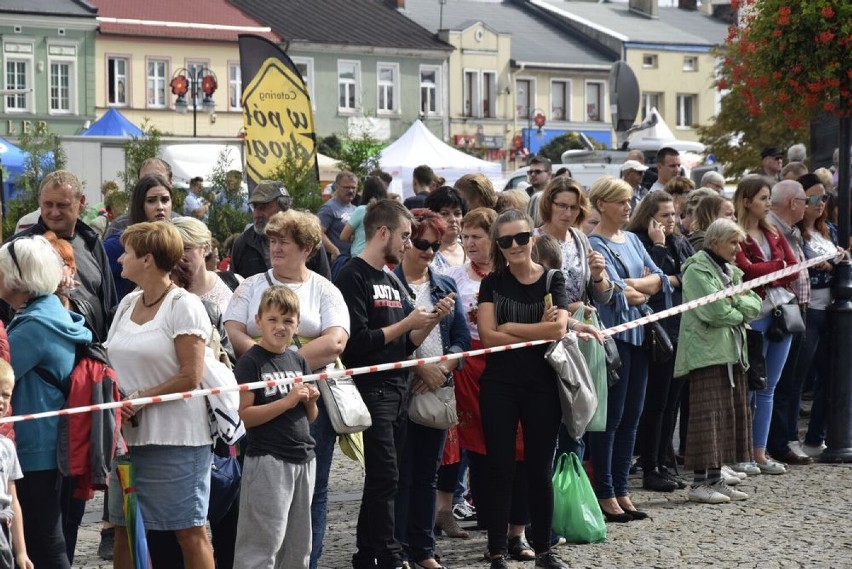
column 571, row 326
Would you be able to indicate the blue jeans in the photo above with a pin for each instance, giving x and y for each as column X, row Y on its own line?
column 612, row 450
column 814, row 355
column 325, row 437
column 566, row 445
column 415, row 503
column 775, row 354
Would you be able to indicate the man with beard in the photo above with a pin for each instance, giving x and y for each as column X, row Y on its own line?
column 380, row 332
column 250, row 253
column 334, row 214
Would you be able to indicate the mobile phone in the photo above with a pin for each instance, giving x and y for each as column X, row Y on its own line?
column 548, row 301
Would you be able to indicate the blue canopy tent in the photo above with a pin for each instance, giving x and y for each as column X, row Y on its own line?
column 112, row 123
column 14, row 162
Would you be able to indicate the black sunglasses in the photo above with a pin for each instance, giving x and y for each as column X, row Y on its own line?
column 15, row 258
column 521, row 239
column 424, row 245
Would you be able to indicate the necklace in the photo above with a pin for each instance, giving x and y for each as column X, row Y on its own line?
column 161, row 297
column 479, row 272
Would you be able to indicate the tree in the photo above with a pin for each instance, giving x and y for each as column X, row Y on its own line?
column 137, row 150
column 228, row 211
column 359, row 153
column 787, row 61
column 45, row 155
column 299, row 175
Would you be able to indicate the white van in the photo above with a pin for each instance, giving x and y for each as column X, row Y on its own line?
column 586, row 174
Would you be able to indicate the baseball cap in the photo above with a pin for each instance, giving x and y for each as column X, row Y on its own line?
column 771, row 151
column 268, row 190
column 633, row 165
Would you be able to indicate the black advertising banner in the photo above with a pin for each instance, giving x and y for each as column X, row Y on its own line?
column 277, row 115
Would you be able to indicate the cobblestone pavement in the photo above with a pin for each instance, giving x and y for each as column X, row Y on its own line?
column 801, row 519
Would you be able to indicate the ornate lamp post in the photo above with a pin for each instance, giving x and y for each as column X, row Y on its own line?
column 185, row 82
column 534, row 116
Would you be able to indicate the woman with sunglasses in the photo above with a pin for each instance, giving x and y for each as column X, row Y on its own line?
column 820, row 238
column 43, row 338
column 654, row 222
column 520, row 385
column 636, row 278
column 421, row 456
column 448, row 202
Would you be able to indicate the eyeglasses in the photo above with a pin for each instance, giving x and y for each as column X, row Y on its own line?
column 15, row 258
column 521, row 239
column 565, row 206
column 425, row 245
column 535, row 172
column 813, row 200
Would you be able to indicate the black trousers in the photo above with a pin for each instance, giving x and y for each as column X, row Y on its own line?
column 502, row 406
column 40, row 496
column 656, row 427
column 383, row 447
column 519, row 509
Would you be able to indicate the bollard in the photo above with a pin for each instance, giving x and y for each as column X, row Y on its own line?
column 839, row 380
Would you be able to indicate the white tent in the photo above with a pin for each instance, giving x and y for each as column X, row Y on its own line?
column 419, row 146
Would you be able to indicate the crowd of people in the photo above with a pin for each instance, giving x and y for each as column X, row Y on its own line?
column 369, row 280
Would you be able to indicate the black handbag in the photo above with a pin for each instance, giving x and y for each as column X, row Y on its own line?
column 657, row 340
column 788, row 317
column 613, row 361
column 756, row 374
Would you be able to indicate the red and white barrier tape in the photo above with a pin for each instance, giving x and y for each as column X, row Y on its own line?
column 760, row 281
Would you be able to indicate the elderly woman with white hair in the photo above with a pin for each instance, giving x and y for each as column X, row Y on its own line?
column 712, row 353
column 30, row 272
column 192, row 270
column 713, row 180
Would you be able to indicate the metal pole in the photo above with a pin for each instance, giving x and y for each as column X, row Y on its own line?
column 194, row 106
column 839, row 380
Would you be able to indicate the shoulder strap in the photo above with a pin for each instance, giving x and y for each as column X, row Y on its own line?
column 614, row 254
column 550, row 273
column 268, row 278
column 402, row 288
column 229, row 278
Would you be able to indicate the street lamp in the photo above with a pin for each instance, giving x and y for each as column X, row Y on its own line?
column 193, row 82
column 534, row 116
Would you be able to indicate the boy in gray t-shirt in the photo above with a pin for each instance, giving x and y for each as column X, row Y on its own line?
column 13, row 547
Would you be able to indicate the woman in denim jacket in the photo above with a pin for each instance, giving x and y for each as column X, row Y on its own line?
column 421, row 456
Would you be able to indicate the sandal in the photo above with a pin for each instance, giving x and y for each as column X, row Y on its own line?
column 519, row 549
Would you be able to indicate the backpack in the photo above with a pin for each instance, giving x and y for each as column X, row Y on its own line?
column 87, row 442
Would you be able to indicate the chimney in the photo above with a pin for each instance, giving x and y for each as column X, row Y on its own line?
column 398, row 4
column 647, row 8
column 691, row 5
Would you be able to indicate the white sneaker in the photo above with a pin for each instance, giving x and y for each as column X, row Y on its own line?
column 730, row 477
column 813, row 451
column 705, row 494
column 732, row 493
column 796, row 448
column 750, row 468
column 728, row 471
column 771, row 467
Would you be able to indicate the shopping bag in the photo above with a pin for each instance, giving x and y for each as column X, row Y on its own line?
column 596, row 361
column 576, row 513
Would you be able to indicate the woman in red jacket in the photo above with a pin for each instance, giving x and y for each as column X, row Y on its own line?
column 764, row 251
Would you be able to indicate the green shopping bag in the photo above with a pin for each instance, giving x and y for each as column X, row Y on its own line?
column 596, row 361
column 576, row 513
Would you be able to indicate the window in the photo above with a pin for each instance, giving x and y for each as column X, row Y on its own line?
column 117, row 81
column 649, row 61
column 157, row 72
column 594, row 101
column 690, row 63
column 651, row 101
column 471, row 93
column 195, row 72
column 560, row 100
column 489, row 94
column 60, row 87
column 686, row 110
column 429, row 90
column 17, row 78
column 387, row 76
column 348, row 78
column 235, row 87
column 305, row 65
column 523, row 98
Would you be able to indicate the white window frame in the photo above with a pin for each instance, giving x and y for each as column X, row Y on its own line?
column 681, row 110
column 690, row 63
column 392, row 86
column 433, row 89
column 601, row 102
column 235, row 86
column 566, row 88
column 62, row 54
column 116, row 77
column 355, row 84
column 646, row 103
column 193, row 66
column 160, row 82
column 470, row 92
column 19, row 52
column 308, row 76
column 650, row 61
column 488, row 94
column 529, row 110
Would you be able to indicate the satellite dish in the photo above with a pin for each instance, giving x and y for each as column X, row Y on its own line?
column 624, row 99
